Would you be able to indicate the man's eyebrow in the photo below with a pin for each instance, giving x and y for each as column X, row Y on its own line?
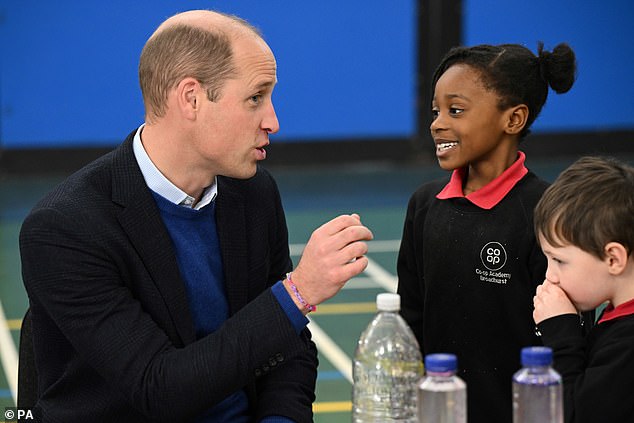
column 265, row 83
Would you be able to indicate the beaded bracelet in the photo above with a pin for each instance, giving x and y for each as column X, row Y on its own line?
column 299, row 297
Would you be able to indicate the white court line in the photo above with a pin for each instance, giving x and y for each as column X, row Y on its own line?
column 9, row 356
column 360, row 283
column 326, row 345
column 333, row 353
column 377, row 275
column 385, row 246
column 381, row 276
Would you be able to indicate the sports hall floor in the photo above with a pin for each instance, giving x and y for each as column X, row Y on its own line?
column 311, row 196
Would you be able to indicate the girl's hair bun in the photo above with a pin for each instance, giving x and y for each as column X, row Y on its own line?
column 558, row 68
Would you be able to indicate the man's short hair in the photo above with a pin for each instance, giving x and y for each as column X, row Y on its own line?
column 589, row 205
column 180, row 51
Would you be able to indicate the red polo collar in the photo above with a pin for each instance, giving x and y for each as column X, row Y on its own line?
column 492, row 193
column 612, row 313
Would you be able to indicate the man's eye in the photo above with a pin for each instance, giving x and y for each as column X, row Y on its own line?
column 256, row 99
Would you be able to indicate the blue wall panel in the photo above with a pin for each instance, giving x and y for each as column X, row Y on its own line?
column 346, row 69
column 602, row 35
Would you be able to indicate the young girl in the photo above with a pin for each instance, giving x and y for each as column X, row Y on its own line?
column 469, row 263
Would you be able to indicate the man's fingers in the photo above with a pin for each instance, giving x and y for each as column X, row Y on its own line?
column 355, row 267
column 340, row 223
column 351, row 235
column 338, row 233
column 354, row 250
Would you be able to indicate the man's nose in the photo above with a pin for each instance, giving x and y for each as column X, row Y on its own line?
column 270, row 123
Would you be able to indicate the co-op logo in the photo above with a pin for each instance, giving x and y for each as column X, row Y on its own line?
column 493, row 256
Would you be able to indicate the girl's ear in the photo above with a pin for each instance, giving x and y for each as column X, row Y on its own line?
column 615, row 257
column 517, row 117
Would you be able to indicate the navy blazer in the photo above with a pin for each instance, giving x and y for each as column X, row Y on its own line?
column 113, row 334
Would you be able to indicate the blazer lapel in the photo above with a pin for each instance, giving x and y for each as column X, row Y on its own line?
column 231, row 224
column 142, row 222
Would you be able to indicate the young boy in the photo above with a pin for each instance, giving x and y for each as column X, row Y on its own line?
column 585, row 226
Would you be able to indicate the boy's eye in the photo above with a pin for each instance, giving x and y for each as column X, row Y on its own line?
column 434, row 113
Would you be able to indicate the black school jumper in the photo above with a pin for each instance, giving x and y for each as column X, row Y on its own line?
column 467, row 277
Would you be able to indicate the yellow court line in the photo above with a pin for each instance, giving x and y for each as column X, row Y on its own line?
column 14, row 324
column 341, row 308
column 346, row 308
column 8, row 356
column 332, row 407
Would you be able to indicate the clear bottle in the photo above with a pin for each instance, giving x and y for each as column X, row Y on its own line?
column 537, row 388
column 387, row 367
column 442, row 396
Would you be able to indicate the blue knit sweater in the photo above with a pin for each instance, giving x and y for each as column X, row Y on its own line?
column 197, row 249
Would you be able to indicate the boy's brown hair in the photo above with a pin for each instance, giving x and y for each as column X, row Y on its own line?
column 590, row 204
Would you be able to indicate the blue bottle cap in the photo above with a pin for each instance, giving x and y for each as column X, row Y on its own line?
column 441, row 363
column 537, row 356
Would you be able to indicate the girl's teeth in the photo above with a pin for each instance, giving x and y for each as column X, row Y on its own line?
column 446, row 145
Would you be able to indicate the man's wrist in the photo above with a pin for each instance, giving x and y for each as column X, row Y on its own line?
column 296, row 295
column 297, row 318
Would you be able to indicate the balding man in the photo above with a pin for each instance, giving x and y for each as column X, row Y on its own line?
column 159, row 275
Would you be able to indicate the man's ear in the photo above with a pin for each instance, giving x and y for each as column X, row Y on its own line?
column 516, row 120
column 615, row 257
column 188, row 93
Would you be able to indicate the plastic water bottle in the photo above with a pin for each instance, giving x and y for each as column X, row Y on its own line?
column 537, row 388
column 387, row 367
column 442, row 396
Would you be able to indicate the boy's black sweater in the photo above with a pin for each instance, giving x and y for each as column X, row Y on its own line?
column 598, row 370
column 467, row 277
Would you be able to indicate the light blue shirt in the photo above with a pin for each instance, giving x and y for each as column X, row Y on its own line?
column 158, row 183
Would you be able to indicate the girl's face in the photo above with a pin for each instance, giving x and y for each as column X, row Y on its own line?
column 467, row 126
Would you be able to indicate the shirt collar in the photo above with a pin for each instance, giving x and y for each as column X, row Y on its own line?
column 492, row 193
column 158, row 183
column 622, row 310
